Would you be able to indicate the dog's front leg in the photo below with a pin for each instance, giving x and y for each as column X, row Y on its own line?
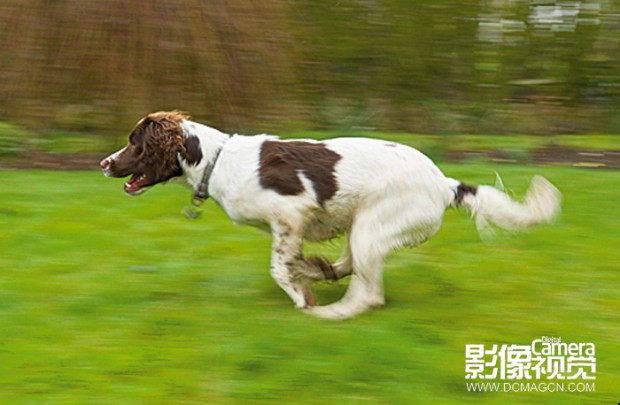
column 286, row 255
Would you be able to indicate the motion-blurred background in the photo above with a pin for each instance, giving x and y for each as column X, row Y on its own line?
column 115, row 300
column 447, row 66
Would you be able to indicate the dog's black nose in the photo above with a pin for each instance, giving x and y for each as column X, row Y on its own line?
column 104, row 163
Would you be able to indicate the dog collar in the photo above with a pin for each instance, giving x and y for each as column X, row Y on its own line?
column 202, row 193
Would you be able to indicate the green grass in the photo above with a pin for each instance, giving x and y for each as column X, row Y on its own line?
column 13, row 139
column 117, row 300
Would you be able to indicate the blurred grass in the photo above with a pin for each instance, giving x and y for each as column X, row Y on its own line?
column 67, row 142
column 15, row 140
column 12, row 139
column 111, row 299
column 517, row 147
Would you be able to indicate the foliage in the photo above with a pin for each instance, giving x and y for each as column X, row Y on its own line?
column 12, row 140
column 440, row 67
column 111, row 299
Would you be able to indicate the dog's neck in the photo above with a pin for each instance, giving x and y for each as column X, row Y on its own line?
column 210, row 144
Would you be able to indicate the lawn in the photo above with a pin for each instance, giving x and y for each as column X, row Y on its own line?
column 117, row 300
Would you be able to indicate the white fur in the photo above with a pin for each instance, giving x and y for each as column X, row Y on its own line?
column 106, row 168
column 389, row 195
column 211, row 141
column 493, row 207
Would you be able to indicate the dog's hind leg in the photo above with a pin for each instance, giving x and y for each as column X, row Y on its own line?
column 365, row 290
column 344, row 266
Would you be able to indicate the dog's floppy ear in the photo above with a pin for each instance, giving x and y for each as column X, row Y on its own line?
column 162, row 141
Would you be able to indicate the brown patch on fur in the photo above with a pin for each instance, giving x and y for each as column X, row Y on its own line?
column 193, row 153
column 281, row 162
column 152, row 155
column 158, row 139
column 462, row 190
column 325, row 266
column 309, row 297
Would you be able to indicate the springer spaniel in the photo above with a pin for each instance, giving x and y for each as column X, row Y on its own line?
column 381, row 195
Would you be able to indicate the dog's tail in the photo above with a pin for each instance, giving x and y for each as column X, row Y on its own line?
column 491, row 206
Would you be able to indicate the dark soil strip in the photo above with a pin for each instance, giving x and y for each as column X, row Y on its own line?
column 558, row 155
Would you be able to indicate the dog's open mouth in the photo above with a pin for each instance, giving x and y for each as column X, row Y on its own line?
column 137, row 184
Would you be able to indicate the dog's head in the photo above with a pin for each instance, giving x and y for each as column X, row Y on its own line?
column 152, row 155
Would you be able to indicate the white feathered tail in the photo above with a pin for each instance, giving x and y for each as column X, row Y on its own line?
column 490, row 206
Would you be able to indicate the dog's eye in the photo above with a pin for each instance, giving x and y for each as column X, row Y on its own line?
column 134, row 148
column 135, row 143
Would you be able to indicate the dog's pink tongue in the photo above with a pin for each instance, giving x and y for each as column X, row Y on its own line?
column 135, row 183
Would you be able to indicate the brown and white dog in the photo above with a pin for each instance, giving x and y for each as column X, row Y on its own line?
column 381, row 195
